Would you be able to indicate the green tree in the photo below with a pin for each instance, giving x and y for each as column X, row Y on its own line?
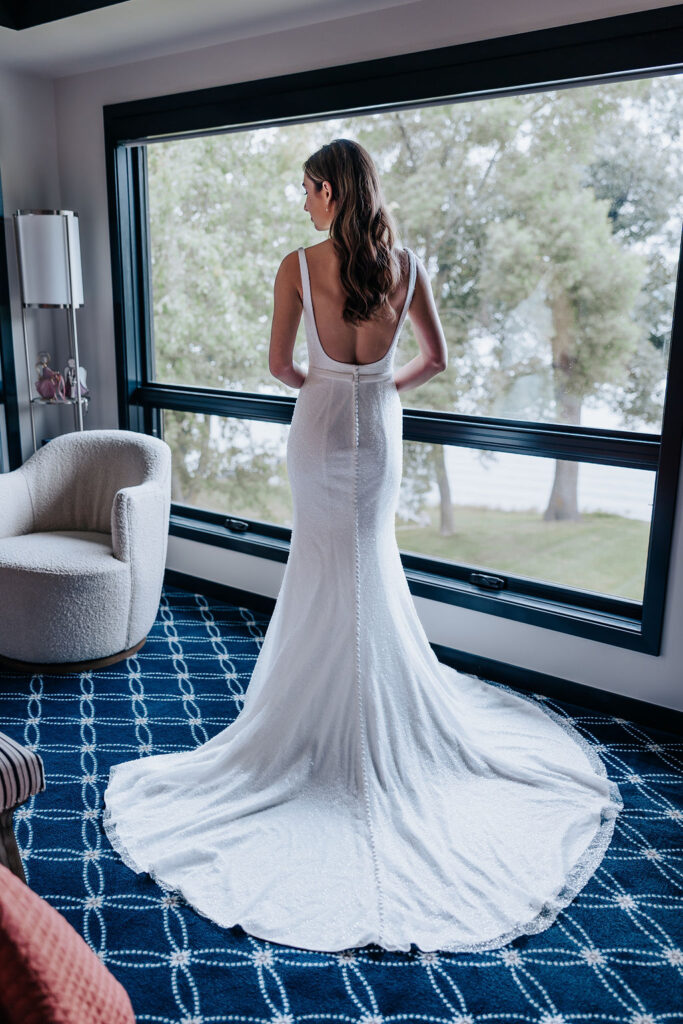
column 223, row 211
column 495, row 200
column 547, row 223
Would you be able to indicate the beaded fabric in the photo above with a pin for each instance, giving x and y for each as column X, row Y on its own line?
column 366, row 792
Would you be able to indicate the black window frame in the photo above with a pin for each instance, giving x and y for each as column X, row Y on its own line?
column 642, row 44
column 9, row 400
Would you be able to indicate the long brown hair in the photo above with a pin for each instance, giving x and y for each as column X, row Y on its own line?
column 362, row 230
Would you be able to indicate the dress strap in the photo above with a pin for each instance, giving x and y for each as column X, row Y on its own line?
column 313, row 342
column 412, row 278
column 305, row 279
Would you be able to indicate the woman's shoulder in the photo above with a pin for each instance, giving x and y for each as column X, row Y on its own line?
column 288, row 264
column 409, row 256
column 289, row 275
column 293, row 255
column 292, row 258
column 321, row 250
column 406, row 257
column 323, row 246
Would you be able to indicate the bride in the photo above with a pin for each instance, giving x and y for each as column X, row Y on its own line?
column 366, row 793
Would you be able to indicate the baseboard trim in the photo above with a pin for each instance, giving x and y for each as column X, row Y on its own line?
column 641, row 712
column 224, row 592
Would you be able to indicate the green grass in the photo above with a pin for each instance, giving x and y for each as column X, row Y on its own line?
column 601, row 552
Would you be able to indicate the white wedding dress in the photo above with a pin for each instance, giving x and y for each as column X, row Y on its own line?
column 366, row 792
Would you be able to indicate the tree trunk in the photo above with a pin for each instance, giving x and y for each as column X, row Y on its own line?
column 447, row 521
column 563, row 502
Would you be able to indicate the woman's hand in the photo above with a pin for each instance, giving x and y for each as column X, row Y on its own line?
column 291, row 375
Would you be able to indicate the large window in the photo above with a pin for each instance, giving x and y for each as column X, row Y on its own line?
column 9, row 411
column 540, row 468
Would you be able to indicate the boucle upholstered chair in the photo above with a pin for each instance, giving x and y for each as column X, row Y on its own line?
column 83, row 536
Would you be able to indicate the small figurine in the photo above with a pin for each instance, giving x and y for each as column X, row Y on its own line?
column 70, row 380
column 50, row 383
column 43, row 360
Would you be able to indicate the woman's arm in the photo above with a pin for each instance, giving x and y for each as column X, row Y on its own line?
column 287, row 309
column 433, row 357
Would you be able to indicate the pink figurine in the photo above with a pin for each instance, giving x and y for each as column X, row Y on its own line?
column 50, row 383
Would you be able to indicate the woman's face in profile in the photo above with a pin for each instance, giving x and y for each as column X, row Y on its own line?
column 316, row 203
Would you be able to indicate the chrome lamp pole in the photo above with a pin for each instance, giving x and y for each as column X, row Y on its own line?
column 49, row 258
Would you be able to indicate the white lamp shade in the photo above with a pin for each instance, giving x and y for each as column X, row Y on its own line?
column 43, row 261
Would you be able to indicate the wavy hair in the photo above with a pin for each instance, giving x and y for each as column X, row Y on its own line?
column 362, row 230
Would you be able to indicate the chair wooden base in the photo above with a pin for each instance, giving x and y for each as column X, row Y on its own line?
column 9, row 851
column 57, row 668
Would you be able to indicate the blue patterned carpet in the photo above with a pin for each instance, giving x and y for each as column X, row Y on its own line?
column 614, row 955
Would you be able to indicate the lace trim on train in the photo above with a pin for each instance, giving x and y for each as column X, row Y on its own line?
column 585, row 866
column 128, row 859
column 574, row 882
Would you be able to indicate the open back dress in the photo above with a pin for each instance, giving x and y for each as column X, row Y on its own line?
column 366, row 792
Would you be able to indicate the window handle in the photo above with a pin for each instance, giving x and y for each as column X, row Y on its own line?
column 236, row 524
column 481, row 579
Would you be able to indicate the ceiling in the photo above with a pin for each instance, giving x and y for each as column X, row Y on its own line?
column 120, row 31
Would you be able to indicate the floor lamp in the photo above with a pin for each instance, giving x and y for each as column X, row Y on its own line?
column 49, row 257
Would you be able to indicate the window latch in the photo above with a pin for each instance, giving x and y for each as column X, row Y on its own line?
column 481, row 579
column 236, row 524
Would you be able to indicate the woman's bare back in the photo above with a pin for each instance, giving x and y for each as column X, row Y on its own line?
column 348, row 343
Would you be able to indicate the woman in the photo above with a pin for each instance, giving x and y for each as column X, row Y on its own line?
column 366, row 792
column 372, row 271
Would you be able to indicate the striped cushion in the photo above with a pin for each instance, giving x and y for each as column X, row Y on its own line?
column 21, row 773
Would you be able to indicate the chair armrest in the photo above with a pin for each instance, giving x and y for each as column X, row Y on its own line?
column 139, row 531
column 16, row 508
column 139, row 515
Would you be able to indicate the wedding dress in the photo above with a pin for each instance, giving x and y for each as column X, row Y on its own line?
column 366, row 792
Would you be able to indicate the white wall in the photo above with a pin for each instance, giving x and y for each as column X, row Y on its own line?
column 429, row 23
column 30, row 180
column 28, row 141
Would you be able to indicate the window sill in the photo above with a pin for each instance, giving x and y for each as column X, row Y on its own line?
column 272, row 542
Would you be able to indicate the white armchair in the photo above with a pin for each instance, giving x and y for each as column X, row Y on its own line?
column 83, row 537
